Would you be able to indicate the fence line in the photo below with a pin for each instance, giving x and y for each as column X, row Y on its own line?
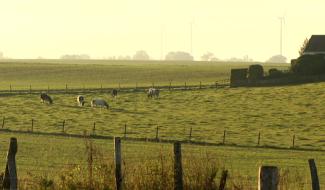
column 187, row 86
column 64, row 133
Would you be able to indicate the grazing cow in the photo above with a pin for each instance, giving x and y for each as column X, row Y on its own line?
column 99, row 103
column 114, row 93
column 153, row 92
column 46, row 98
column 81, row 100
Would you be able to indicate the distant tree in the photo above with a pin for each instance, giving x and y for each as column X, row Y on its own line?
column 303, row 46
column 121, row 57
column 244, row 59
column 207, row 56
column 75, row 56
column 277, row 59
column 180, row 56
column 141, row 55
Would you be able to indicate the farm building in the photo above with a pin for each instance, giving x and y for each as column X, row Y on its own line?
column 315, row 45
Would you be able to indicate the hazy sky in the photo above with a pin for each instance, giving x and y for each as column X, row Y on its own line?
column 102, row 28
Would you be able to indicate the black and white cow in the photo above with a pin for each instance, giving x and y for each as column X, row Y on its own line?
column 46, row 98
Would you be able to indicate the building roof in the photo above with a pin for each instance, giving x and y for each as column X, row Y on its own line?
column 315, row 44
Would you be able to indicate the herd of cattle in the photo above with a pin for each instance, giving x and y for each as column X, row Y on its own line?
column 98, row 102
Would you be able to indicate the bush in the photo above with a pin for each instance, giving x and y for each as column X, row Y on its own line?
column 309, row 65
column 255, row 72
column 275, row 73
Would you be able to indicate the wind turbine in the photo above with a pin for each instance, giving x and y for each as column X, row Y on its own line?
column 282, row 22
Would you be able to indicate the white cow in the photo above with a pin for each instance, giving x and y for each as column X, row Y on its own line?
column 99, row 103
column 153, row 92
column 81, row 100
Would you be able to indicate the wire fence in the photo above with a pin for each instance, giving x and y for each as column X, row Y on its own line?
column 71, row 89
column 43, row 160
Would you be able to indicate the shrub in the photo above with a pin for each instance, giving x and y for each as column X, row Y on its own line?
column 275, row 73
column 255, row 72
column 309, row 65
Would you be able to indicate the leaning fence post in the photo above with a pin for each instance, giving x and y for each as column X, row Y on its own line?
column 94, row 129
column 118, row 163
column 63, row 123
column 190, row 135
column 293, row 141
column 3, row 122
column 223, row 180
column 268, row 178
column 10, row 176
column 125, row 131
column 313, row 174
column 157, row 133
column 224, row 137
column 32, row 125
column 259, row 139
column 178, row 169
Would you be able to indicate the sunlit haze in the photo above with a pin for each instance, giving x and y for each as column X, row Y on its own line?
column 104, row 28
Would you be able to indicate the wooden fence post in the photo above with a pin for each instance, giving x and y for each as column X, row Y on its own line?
column 223, row 180
column 178, row 169
column 3, row 122
column 185, row 85
column 170, row 85
column 101, row 87
column 259, row 139
column 63, row 123
column 94, row 129
column 32, row 125
column 313, row 174
column 118, row 163
column 190, row 135
column 268, row 178
column 157, row 133
column 10, row 88
column 224, row 137
column 30, row 89
column 66, row 88
column 293, row 141
column 200, row 84
column 125, row 131
column 10, row 177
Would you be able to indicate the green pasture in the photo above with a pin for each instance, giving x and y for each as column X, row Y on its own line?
column 55, row 74
column 49, row 156
column 276, row 113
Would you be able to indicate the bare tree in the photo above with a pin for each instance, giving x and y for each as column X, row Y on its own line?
column 303, row 46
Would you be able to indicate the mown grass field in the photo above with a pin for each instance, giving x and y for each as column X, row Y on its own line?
column 41, row 74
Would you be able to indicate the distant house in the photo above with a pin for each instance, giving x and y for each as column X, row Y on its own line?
column 316, row 45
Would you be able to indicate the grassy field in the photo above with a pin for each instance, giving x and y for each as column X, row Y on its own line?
column 93, row 73
column 45, row 157
column 277, row 113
